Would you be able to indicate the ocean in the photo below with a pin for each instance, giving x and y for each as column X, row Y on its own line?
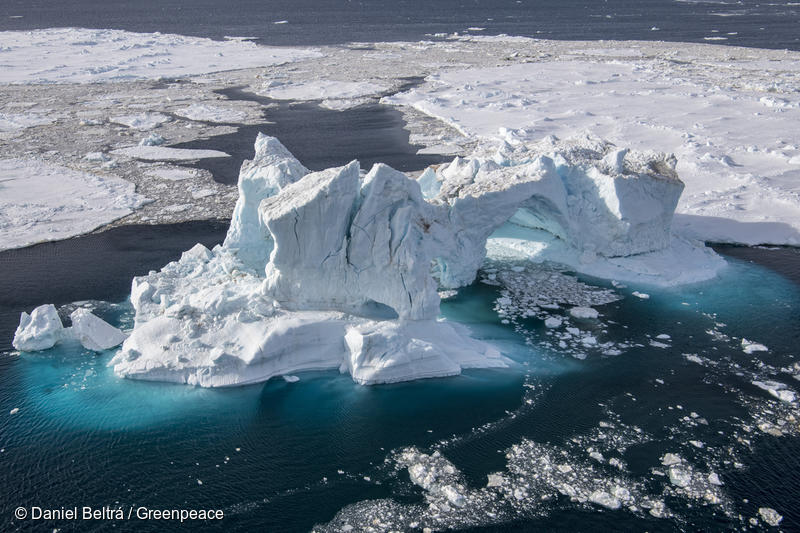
column 319, row 22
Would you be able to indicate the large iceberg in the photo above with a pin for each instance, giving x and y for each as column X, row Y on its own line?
column 341, row 270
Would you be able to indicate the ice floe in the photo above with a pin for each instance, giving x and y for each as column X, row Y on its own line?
column 69, row 55
column 45, row 202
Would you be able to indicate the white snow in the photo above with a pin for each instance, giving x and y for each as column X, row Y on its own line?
column 76, row 55
column 44, row 202
column 335, row 94
column 163, row 153
column 20, row 121
column 210, row 113
column 734, row 150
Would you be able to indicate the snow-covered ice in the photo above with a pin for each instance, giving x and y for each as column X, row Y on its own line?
column 70, row 55
column 141, row 121
column 736, row 144
column 44, row 202
column 211, row 113
column 163, row 153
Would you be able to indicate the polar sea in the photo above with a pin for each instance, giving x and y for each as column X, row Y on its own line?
column 560, row 429
column 283, row 456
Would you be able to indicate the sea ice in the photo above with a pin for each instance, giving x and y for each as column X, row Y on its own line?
column 584, row 312
column 70, row 55
column 44, row 202
column 770, row 516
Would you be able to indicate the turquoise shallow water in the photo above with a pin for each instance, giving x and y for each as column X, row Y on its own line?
column 285, row 457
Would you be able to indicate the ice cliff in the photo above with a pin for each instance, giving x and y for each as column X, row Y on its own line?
column 340, row 269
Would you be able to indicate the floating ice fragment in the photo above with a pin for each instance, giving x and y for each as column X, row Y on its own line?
column 14, row 411
column 670, row 459
column 552, row 322
column 40, row 330
column 642, row 295
column 777, row 389
column 583, row 312
column 291, row 379
column 752, row 347
column 94, row 333
column 770, row 516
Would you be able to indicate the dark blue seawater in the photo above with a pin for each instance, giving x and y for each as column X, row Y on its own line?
column 315, row 22
column 286, row 457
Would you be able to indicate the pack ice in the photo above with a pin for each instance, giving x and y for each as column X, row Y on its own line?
column 340, row 269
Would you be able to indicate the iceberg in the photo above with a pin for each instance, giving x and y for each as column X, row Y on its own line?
column 340, row 269
column 42, row 329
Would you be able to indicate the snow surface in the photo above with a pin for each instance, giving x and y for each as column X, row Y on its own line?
column 77, row 55
column 737, row 146
column 43, row 202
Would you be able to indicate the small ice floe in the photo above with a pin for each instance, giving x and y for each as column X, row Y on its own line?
column 642, row 295
column 770, row 516
column 14, row 411
column 142, row 121
column 291, row 379
column 154, row 139
column 663, row 337
column 584, row 312
column 656, row 344
column 199, row 482
column 552, row 322
column 777, row 389
column 752, row 347
column 97, row 157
